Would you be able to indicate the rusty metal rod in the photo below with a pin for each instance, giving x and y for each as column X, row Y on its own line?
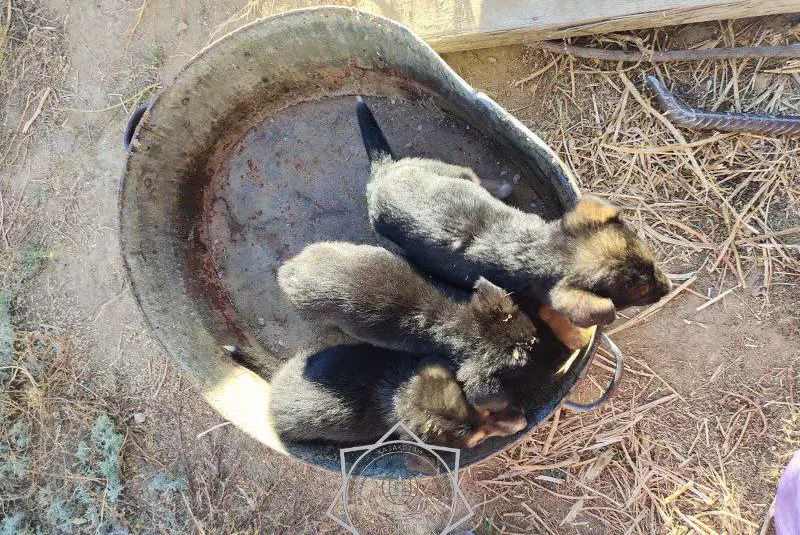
column 686, row 117
column 659, row 56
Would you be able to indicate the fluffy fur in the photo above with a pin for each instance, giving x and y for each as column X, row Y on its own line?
column 355, row 393
column 376, row 296
column 585, row 265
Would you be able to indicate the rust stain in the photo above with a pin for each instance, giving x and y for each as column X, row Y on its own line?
column 254, row 172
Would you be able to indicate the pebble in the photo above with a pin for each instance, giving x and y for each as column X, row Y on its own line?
column 139, row 417
column 182, row 27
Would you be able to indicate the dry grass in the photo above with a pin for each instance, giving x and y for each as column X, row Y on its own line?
column 719, row 209
column 721, row 204
column 32, row 68
column 631, row 467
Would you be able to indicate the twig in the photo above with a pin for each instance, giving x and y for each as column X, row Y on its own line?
column 191, row 514
column 768, row 518
column 17, row 207
column 666, row 148
column 549, row 440
column 714, row 300
column 768, row 235
column 136, row 25
column 37, row 111
column 658, row 56
column 534, row 75
column 114, row 106
column 201, row 434
column 2, row 220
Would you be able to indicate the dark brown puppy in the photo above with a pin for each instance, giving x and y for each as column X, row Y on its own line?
column 376, row 296
column 354, row 394
column 584, row 266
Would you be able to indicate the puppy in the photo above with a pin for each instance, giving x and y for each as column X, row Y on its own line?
column 376, row 296
column 584, row 266
column 355, row 393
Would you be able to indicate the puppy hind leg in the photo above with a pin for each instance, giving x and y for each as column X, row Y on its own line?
column 451, row 170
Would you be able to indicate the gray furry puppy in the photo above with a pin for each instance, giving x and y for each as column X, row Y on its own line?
column 355, row 393
column 376, row 296
column 584, row 266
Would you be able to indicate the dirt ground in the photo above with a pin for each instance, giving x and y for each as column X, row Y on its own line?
column 115, row 438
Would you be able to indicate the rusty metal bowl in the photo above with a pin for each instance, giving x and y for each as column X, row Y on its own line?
column 253, row 151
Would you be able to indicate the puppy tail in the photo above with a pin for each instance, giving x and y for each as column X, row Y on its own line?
column 374, row 141
column 250, row 361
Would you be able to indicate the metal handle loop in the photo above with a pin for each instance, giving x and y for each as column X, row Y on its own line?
column 614, row 350
column 133, row 123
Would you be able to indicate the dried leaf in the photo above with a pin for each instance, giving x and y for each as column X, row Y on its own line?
column 576, row 508
column 599, row 465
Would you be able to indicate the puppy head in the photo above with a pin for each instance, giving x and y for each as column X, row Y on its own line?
column 610, row 267
column 435, row 408
column 505, row 335
column 438, row 412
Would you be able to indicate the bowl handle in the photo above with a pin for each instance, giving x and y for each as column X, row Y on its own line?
column 614, row 350
column 133, row 123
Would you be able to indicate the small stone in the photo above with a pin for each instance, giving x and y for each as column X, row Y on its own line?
column 516, row 178
column 182, row 27
column 504, row 172
column 261, row 322
column 419, row 128
column 139, row 417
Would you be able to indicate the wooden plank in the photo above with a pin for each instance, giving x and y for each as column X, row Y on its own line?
column 453, row 25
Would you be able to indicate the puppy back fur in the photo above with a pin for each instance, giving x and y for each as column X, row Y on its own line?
column 376, row 296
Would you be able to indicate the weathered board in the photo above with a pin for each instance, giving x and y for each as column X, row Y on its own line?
column 452, row 25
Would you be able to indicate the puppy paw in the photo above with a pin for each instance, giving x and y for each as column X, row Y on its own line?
column 582, row 308
column 568, row 333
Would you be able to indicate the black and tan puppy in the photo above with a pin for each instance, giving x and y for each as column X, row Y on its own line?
column 584, row 266
column 354, row 394
column 376, row 296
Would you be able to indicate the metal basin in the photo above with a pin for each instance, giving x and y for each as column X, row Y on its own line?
column 254, row 151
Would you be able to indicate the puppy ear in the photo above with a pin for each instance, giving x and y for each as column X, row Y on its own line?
column 504, row 423
column 497, row 424
column 582, row 308
column 487, row 290
column 432, row 369
column 590, row 211
column 491, row 402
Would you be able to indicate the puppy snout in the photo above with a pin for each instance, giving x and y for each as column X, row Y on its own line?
column 663, row 285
